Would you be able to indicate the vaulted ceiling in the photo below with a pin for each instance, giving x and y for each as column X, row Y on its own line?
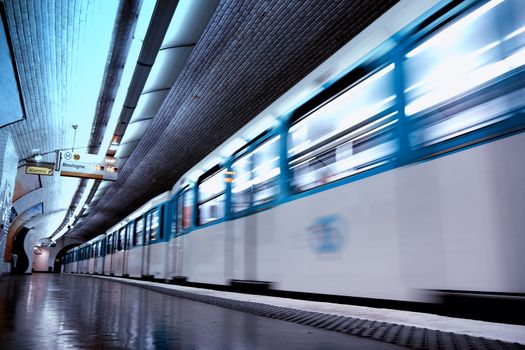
column 60, row 48
column 249, row 54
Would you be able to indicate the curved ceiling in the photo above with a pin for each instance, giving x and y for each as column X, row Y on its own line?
column 250, row 53
column 60, row 47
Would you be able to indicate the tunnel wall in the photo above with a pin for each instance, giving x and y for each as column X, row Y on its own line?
column 8, row 165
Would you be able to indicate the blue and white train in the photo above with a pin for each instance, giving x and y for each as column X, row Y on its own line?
column 400, row 178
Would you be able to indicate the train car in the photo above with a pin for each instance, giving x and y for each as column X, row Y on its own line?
column 141, row 244
column 156, row 238
column 398, row 179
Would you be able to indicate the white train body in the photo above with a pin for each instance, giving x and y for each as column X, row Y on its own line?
column 439, row 209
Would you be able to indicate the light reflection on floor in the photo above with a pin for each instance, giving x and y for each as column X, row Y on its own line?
column 47, row 311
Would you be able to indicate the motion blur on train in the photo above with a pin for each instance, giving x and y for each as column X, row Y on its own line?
column 401, row 178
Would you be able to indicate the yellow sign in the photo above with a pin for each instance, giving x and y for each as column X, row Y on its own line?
column 39, row 170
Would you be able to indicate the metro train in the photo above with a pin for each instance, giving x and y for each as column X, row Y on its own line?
column 401, row 179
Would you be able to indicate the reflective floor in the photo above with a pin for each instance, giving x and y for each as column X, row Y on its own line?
column 46, row 311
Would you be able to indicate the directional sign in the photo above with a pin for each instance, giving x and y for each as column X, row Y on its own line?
column 88, row 166
column 40, row 168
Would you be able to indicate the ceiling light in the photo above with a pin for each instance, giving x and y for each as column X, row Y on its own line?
column 113, row 147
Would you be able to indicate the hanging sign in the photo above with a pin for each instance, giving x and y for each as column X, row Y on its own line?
column 88, row 166
column 40, row 168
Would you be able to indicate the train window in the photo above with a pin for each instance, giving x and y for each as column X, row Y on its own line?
column 241, row 183
column 180, row 208
column 152, row 225
column 352, row 133
column 185, row 205
column 481, row 49
column 265, row 170
column 147, row 230
column 120, row 238
column 161, row 226
column 188, row 206
column 129, row 235
column 211, row 198
column 255, row 176
column 125, row 238
column 139, row 227
column 114, row 237
column 108, row 245
column 173, row 205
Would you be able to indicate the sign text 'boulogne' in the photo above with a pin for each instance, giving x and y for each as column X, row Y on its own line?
column 86, row 166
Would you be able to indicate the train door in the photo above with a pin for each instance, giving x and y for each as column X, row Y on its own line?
column 146, row 246
column 102, row 255
column 113, row 240
column 107, row 257
column 127, row 248
column 95, row 257
column 152, row 226
column 184, row 206
column 135, row 261
column 172, row 245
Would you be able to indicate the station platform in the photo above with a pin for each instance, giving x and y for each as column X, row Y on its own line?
column 82, row 311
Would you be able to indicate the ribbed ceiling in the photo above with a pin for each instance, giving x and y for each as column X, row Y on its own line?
column 60, row 47
column 250, row 54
